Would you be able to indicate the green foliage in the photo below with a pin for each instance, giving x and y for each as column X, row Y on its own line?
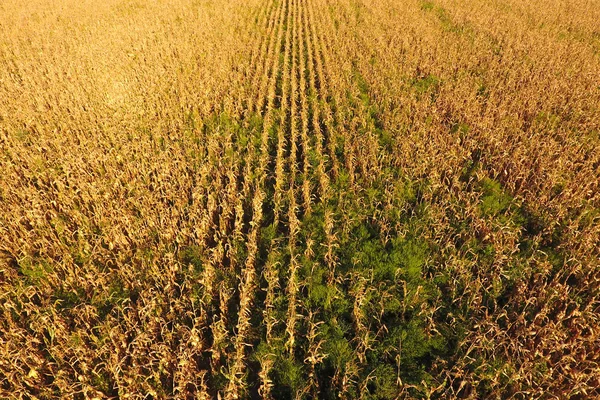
column 427, row 5
column 385, row 383
column 268, row 233
column 445, row 19
column 35, row 271
column 103, row 381
column 396, row 272
column 589, row 216
column 339, row 351
column 373, row 121
column 442, row 14
column 314, row 223
column 323, row 296
column 245, row 132
column 366, row 251
column 426, row 84
column 483, row 91
column 192, row 256
column 255, row 122
column 412, row 256
column 494, row 200
column 24, row 136
column 461, row 129
column 313, row 158
column 116, row 295
column 289, row 375
column 66, row 299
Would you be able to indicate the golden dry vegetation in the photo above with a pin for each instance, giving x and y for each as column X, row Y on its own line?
column 300, row 199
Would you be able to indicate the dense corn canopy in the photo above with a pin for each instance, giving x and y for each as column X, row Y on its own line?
column 299, row 199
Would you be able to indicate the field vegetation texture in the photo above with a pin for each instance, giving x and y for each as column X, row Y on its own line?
column 280, row 199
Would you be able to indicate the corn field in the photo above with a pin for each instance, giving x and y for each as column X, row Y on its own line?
column 299, row 199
